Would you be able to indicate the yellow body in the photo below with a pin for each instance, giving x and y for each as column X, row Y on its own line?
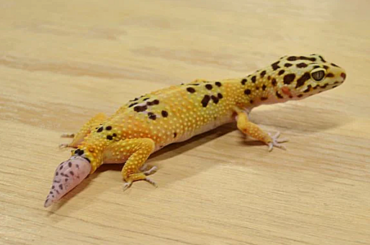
column 177, row 113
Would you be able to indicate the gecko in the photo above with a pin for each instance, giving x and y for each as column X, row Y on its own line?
column 148, row 123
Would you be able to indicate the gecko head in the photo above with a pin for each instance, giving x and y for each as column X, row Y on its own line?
column 67, row 176
column 297, row 77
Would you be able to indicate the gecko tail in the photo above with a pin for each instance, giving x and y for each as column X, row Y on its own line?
column 67, row 176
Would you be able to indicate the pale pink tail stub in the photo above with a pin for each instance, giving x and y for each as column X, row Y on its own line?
column 67, row 176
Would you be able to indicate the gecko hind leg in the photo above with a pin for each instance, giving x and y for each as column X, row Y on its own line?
column 84, row 131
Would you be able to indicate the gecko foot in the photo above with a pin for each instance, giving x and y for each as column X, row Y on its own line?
column 276, row 142
column 128, row 184
column 152, row 170
column 67, row 135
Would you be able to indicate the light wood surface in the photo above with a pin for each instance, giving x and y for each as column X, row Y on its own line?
column 61, row 62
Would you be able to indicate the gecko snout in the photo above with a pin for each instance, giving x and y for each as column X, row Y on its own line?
column 67, row 176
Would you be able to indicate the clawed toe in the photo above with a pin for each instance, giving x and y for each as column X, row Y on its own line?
column 276, row 142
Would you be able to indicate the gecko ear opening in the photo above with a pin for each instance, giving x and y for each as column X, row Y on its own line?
column 67, row 176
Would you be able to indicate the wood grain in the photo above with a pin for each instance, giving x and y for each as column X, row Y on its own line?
column 61, row 62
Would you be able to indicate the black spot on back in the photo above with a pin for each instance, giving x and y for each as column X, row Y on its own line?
column 140, row 108
column 109, row 137
column 253, row 79
column 263, row 73
column 263, row 87
column 243, row 81
column 205, row 100
column 108, row 128
column 152, row 116
column 218, row 84
column 281, row 72
column 273, row 82
column 219, row 95
column 164, row 114
column 247, row 91
column 215, row 99
column 322, row 59
column 99, row 129
column 191, row 90
column 69, row 164
column 209, row 86
column 288, row 79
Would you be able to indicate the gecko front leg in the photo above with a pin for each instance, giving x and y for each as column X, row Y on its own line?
column 84, row 131
column 252, row 130
column 135, row 152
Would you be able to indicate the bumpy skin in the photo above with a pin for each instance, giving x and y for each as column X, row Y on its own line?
column 177, row 113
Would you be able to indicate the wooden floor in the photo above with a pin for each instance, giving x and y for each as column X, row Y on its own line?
column 61, row 62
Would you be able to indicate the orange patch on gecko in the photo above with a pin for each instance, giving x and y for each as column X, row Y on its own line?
column 286, row 91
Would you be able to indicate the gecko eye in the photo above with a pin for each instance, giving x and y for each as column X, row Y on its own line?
column 318, row 74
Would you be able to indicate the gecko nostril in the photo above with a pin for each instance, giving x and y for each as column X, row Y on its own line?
column 343, row 75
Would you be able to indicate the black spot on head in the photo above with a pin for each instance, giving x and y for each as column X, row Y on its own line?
column 155, row 102
column 52, row 187
column 279, row 95
column 164, row 114
column 132, row 104
column 109, row 137
column 205, row 100
column 316, row 67
column 61, row 167
column 322, row 59
column 343, row 75
column 307, row 58
column 292, row 58
column 253, row 79
column 99, row 129
column 288, row 65
column 307, row 89
column 108, row 127
column 281, row 72
column 191, row 90
column 273, row 82
column 209, row 86
column 145, row 99
column 275, row 66
column 57, row 173
column 218, row 84
column 77, row 166
column 288, row 79
column 71, row 173
column 263, row 73
column 61, row 186
column 114, row 135
column 303, row 79
column 135, row 99
column 263, row 87
column 69, row 164
column 330, row 75
column 247, row 91
column 219, row 95
column 302, row 65
column 215, row 99
column 325, row 67
column 243, row 81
